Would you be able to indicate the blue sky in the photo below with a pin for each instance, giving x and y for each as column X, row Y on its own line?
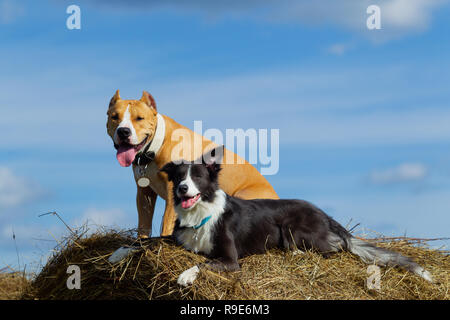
column 363, row 114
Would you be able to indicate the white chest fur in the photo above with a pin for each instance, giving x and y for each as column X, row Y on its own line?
column 201, row 239
column 196, row 240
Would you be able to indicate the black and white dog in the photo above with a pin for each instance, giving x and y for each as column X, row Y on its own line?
column 226, row 228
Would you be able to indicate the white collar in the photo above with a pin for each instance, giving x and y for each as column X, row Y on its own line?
column 158, row 138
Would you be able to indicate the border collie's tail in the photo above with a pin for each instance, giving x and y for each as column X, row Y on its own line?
column 380, row 256
column 340, row 238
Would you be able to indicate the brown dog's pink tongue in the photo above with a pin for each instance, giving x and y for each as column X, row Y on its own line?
column 125, row 155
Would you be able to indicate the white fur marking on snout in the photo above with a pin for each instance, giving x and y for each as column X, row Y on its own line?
column 126, row 123
column 188, row 276
column 192, row 188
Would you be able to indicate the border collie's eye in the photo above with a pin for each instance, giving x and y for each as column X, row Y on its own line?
column 115, row 117
column 139, row 118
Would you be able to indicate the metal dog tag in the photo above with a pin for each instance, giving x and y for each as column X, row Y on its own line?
column 143, row 182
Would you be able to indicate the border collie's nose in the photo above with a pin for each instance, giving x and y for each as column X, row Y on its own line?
column 183, row 188
column 124, row 133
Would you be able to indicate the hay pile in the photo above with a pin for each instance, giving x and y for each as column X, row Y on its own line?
column 13, row 285
column 152, row 271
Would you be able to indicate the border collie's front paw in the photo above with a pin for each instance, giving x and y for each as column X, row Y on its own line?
column 188, row 276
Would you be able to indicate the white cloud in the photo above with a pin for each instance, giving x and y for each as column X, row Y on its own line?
column 411, row 14
column 317, row 107
column 36, row 238
column 53, row 228
column 26, row 232
column 419, row 215
column 338, row 49
column 95, row 218
column 398, row 16
column 385, row 104
column 405, row 172
column 15, row 190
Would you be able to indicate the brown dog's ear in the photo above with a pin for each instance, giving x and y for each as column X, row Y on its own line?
column 169, row 168
column 115, row 98
column 148, row 99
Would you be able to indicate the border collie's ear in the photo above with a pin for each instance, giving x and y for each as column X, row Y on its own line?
column 213, row 158
column 169, row 168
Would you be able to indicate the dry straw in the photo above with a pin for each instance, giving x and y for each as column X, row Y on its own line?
column 12, row 285
column 151, row 273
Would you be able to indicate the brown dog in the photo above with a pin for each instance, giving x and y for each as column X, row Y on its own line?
column 148, row 140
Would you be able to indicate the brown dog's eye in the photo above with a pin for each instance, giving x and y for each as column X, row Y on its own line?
column 139, row 118
column 115, row 117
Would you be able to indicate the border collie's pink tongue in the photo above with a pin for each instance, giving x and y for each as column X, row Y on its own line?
column 186, row 203
column 125, row 155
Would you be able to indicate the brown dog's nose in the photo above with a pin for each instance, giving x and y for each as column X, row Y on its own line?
column 124, row 133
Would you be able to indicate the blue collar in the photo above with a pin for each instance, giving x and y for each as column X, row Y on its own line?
column 205, row 220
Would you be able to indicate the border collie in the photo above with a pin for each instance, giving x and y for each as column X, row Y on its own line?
column 226, row 228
